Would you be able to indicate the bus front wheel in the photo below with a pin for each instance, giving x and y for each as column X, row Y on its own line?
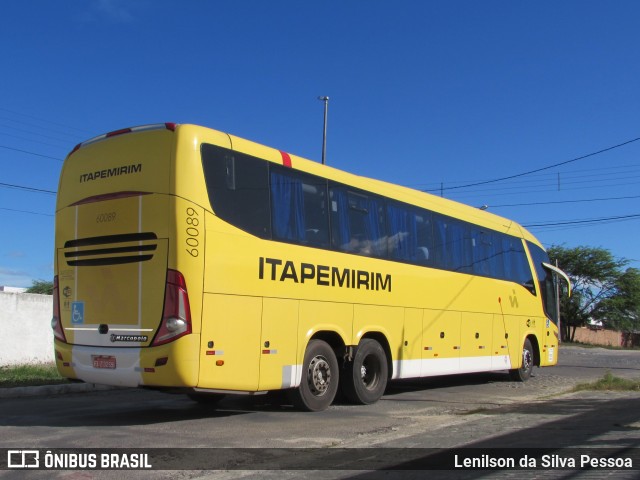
column 523, row 373
column 320, row 378
column 364, row 379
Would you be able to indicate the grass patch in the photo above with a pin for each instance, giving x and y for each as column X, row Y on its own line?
column 30, row 375
column 610, row 382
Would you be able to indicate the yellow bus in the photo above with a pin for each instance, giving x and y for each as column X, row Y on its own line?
column 194, row 261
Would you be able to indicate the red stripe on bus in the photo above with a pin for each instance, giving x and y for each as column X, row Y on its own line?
column 286, row 159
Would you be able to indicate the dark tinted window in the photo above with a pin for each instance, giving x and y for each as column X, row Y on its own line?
column 410, row 234
column 486, row 253
column 238, row 187
column 452, row 244
column 357, row 222
column 516, row 265
column 299, row 207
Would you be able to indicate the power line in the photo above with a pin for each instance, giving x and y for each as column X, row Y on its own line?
column 548, row 167
column 472, row 197
column 29, row 189
column 31, row 132
column 31, row 153
column 545, row 177
column 564, row 201
column 586, row 221
column 27, row 211
column 32, row 140
column 43, row 120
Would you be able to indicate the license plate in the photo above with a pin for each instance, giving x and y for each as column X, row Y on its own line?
column 103, row 361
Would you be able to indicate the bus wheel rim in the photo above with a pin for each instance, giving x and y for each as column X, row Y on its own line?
column 527, row 361
column 319, row 375
column 369, row 372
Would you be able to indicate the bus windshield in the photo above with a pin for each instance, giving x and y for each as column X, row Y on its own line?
column 546, row 281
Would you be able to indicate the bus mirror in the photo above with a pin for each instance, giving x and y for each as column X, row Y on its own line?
column 561, row 274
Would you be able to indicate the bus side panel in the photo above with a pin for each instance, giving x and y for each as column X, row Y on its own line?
column 181, row 367
column 516, row 330
column 500, row 359
column 476, row 341
column 441, row 342
column 410, row 361
column 549, row 344
column 231, row 337
column 279, row 344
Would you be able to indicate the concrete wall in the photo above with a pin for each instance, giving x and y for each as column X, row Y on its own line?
column 25, row 328
column 607, row 338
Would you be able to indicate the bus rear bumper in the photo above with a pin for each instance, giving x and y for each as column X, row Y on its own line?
column 172, row 365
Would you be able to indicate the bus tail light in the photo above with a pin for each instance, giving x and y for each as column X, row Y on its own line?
column 176, row 316
column 56, row 325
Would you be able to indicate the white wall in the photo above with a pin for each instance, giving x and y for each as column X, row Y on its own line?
column 25, row 328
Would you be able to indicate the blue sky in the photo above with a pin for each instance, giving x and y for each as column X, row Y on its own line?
column 434, row 95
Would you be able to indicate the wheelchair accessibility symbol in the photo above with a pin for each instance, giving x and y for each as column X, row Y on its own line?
column 77, row 312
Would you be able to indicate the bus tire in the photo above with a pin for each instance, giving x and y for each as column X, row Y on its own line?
column 320, row 378
column 364, row 379
column 523, row 373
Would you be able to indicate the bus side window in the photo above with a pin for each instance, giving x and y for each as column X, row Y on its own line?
column 487, row 254
column 410, row 234
column 357, row 222
column 453, row 244
column 238, row 188
column 516, row 265
column 299, row 208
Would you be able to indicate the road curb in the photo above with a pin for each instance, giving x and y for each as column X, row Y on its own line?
column 58, row 389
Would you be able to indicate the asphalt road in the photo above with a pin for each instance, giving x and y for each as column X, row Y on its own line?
column 471, row 411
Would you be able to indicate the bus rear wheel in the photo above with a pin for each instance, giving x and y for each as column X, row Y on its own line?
column 523, row 373
column 320, row 378
column 364, row 379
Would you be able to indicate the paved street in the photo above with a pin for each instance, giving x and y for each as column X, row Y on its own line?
column 471, row 411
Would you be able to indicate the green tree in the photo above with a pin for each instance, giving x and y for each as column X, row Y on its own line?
column 622, row 310
column 41, row 286
column 594, row 274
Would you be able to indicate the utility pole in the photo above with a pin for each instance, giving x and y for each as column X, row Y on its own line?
column 324, row 130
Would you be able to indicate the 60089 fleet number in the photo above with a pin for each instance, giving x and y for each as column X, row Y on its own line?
column 192, row 232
